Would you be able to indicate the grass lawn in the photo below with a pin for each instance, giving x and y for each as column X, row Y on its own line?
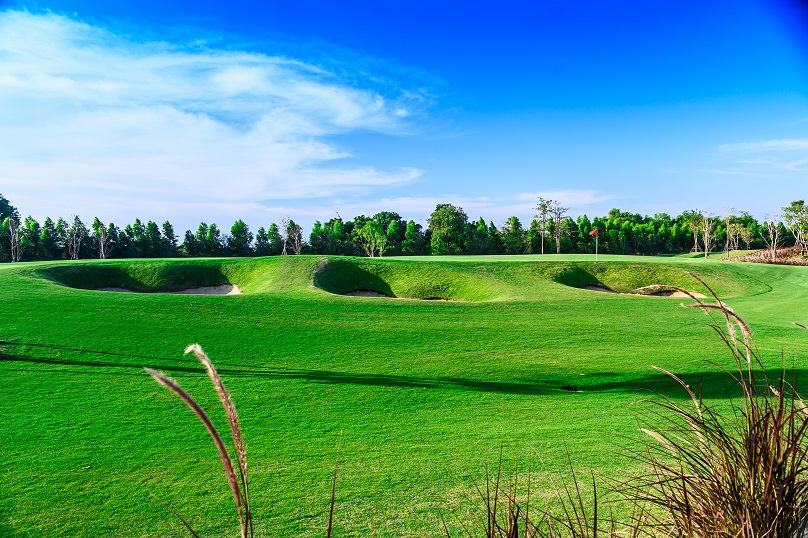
column 423, row 393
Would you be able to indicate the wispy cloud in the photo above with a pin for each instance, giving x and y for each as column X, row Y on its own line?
column 418, row 208
column 570, row 197
column 779, row 158
column 766, row 146
column 98, row 121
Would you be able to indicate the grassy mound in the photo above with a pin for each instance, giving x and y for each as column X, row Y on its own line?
column 412, row 280
column 635, row 277
column 454, row 280
column 141, row 276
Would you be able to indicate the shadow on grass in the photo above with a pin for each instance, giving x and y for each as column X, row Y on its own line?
column 340, row 277
column 717, row 384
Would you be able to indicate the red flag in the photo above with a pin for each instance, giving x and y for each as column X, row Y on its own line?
column 594, row 232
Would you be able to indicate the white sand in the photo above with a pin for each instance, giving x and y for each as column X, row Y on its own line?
column 592, row 287
column 663, row 291
column 119, row 290
column 364, row 293
column 225, row 289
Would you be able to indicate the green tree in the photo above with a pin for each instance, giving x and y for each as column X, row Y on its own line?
column 414, row 242
column 560, row 231
column 29, row 239
column 261, row 242
column 292, row 237
column 153, row 240
column 318, row 239
column 7, row 210
column 169, row 247
column 213, row 241
column 201, row 237
column 47, row 249
column 370, row 238
column 513, row 236
column 448, row 226
column 100, row 238
column 75, row 238
column 395, row 236
column 796, row 220
column 240, row 241
column 275, row 240
column 543, row 219
column 191, row 245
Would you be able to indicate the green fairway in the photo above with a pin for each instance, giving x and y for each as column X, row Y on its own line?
column 424, row 392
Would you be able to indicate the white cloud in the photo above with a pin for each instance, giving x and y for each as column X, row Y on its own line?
column 572, row 198
column 418, row 208
column 766, row 145
column 98, row 123
column 779, row 158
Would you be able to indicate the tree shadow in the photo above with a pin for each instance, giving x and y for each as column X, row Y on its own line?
column 709, row 383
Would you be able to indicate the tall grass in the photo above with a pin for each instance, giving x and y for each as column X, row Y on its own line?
column 236, row 475
column 741, row 473
column 709, row 473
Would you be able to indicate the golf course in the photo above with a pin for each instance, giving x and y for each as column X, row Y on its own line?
column 418, row 371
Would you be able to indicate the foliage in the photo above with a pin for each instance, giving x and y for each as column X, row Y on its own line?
column 448, row 225
column 449, row 232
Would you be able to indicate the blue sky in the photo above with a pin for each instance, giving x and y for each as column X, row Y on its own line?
column 215, row 111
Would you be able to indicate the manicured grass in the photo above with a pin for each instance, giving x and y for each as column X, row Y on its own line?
column 424, row 392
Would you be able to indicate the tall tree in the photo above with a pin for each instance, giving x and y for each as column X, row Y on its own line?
column 153, row 241
column 542, row 218
column 448, row 226
column 47, row 241
column 275, row 240
column 114, row 247
column 140, row 241
column 318, row 239
column 29, row 239
column 292, row 236
column 240, row 241
column 213, row 241
column 413, row 239
column 796, row 219
column 101, row 238
column 371, row 238
column 707, row 229
column 190, row 244
column 7, row 210
column 201, row 237
column 75, row 237
column 693, row 220
column 559, row 213
column 772, row 236
column 513, row 236
column 169, row 247
column 261, row 242
column 11, row 226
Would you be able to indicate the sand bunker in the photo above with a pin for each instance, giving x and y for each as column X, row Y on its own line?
column 660, row 290
column 592, row 287
column 366, row 293
column 654, row 290
column 373, row 293
column 225, row 289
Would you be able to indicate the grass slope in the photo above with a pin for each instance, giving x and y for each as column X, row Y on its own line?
column 424, row 392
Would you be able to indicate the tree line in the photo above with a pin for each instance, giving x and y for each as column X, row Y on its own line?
column 449, row 231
